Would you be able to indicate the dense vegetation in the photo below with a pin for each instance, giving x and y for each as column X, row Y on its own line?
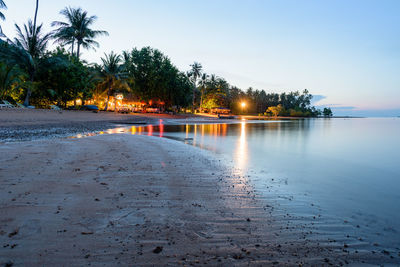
column 33, row 75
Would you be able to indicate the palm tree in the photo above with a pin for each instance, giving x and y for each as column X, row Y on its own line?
column 2, row 17
column 29, row 45
column 126, row 58
column 85, row 36
column 77, row 29
column 196, row 72
column 111, row 72
column 65, row 33
column 2, row 5
column 10, row 75
column 31, row 39
column 203, row 85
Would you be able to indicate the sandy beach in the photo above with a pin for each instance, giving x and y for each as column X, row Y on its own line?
column 142, row 201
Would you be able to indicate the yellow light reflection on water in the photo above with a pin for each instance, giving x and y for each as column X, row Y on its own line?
column 133, row 130
column 187, row 130
column 241, row 151
column 195, row 135
column 202, row 135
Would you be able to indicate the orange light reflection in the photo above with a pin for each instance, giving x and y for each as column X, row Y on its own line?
column 161, row 128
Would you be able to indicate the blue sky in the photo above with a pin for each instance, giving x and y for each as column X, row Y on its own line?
column 345, row 52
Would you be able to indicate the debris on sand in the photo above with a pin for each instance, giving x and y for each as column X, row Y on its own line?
column 157, row 250
column 13, row 233
column 86, row 233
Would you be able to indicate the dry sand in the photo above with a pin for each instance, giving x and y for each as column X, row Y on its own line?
column 138, row 200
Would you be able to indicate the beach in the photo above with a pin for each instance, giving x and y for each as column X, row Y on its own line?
column 144, row 201
column 127, row 138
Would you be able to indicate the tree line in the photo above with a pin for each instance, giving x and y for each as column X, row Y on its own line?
column 213, row 91
column 32, row 74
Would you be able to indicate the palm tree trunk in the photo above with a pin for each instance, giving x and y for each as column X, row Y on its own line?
column 72, row 48
column 36, row 11
column 28, row 95
column 29, row 91
column 78, row 50
column 108, row 98
column 201, row 100
column 194, row 89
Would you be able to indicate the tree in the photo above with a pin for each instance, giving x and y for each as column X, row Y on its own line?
column 2, row 17
column 196, row 72
column 77, row 29
column 65, row 33
column 327, row 112
column 26, row 50
column 111, row 73
column 62, row 77
column 10, row 76
column 203, row 86
column 153, row 77
column 214, row 100
column 278, row 110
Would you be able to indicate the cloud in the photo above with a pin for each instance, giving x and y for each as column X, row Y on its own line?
column 337, row 107
column 356, row 112
column 317, row 98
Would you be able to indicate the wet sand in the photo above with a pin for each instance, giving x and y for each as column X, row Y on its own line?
column 140, row 200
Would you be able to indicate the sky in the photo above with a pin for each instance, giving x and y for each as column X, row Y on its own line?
column 345, row 52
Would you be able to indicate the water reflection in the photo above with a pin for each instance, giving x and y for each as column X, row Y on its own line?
column 117, row 130
column 241, row 153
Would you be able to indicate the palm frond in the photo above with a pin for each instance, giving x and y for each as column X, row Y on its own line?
column 77, row 28
column 2, row 4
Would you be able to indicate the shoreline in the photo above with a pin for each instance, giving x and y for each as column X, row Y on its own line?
column 26, row 125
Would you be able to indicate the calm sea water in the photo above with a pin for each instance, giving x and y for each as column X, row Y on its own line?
column 349, row 168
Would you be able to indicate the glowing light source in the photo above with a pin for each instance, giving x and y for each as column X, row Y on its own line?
column 243, row 104
column 119, row 97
